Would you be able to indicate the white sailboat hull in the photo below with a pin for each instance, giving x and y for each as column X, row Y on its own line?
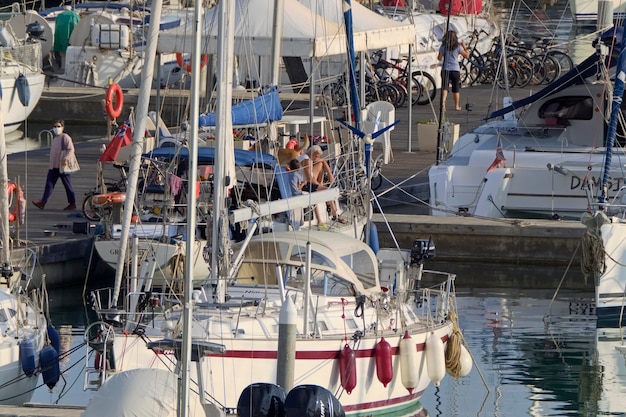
column 548, row 170
column 251, row 358
column 14, row 112
column 15, row 387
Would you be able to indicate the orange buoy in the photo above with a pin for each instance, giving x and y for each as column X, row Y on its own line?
column 181, row 63
column 108, row 199
column 435, row 359
column 114, row 95
column 347, row 368
column 409, row 370
column 384, row 364
column 19, row 209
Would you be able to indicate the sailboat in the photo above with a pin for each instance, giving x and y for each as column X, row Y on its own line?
column 22, row 324
column 604, row 250
column 303, row 312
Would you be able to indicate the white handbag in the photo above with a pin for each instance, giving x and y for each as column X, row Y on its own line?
column 69, row 163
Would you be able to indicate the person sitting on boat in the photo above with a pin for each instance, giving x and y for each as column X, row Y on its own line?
column 296, row 182
column 451, row 72
column 316, row 170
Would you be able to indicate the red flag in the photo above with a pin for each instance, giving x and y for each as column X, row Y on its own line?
column 499, row 161
column 123, row 137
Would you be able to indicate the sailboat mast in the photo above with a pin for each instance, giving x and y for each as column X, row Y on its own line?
column 354, row 96
column 224, row 138
column 277, row 30
column 185, row 379
column 4, row 198
column 616, row 105
column 139, row 128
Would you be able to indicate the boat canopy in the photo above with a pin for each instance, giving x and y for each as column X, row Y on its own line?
column 206, row 155
column 262, row 109
column 340, row 261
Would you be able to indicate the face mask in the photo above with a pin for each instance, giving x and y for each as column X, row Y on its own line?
column 57, row 130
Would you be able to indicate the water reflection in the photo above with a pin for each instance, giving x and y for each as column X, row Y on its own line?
column 534, row 356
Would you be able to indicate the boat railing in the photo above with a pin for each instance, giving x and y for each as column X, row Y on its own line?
column 28, row 54
column 436, row 301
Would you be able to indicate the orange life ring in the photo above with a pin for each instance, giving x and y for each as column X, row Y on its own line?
column 19, row 208
column 179, row 60
column 108, row 199
column 114, row 111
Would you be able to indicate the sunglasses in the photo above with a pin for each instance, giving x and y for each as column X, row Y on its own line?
column 57, row 126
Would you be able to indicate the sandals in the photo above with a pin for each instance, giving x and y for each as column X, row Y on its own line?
column 340, row 220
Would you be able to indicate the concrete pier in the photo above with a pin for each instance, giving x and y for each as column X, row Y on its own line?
column 461, row 241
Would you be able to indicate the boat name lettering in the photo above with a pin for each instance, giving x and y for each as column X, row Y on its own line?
column 614, row 184
column 114, row 251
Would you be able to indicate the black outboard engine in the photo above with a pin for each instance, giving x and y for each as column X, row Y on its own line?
column 262, row 400
column 35, row 31
column 421, row 250
column 312, row 401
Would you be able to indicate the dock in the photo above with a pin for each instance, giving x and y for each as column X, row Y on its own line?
column 508, row 244
column 40, row 410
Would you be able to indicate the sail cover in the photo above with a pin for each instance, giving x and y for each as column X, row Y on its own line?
column 206, row 155
column 576, row 75
column 263, row 109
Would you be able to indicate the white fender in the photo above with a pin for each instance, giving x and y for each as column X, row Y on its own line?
column 466, row 361
column 435, row 359
column 409, row 370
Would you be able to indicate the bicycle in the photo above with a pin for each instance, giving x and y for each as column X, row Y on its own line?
column 95, row 212
column 423, row 84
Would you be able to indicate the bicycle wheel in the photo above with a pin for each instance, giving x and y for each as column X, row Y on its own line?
column 388, row 93
column 428, row 88
column 565, row 62
column 523, row 68
column 552, row 69
column 335, row 95
column 89, row 211
column 511, row 73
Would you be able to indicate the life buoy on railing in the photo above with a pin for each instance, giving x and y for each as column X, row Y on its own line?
column 100, row 200
column 114, row 110
column 179, row 60
column 19, row 203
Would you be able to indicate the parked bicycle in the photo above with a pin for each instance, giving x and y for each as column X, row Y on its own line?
column 95, row 205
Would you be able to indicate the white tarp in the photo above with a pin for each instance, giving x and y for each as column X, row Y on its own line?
column 381, row 32
column 140, row 393
column 305, row 34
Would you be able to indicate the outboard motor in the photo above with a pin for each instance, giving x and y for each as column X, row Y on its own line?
column 262, row 400
column 312, row 401
column 421, row 250
column 35, row 31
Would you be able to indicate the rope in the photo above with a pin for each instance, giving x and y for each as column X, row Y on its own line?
column 592, row 259
column 453, row 350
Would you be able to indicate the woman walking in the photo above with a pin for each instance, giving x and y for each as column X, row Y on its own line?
column 451, row 72
column 62, row 146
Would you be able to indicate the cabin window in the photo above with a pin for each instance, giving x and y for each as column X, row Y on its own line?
column 326, row 283
column 298, row 254
column 3, row 316
column 361, row 264
column 561, row 109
